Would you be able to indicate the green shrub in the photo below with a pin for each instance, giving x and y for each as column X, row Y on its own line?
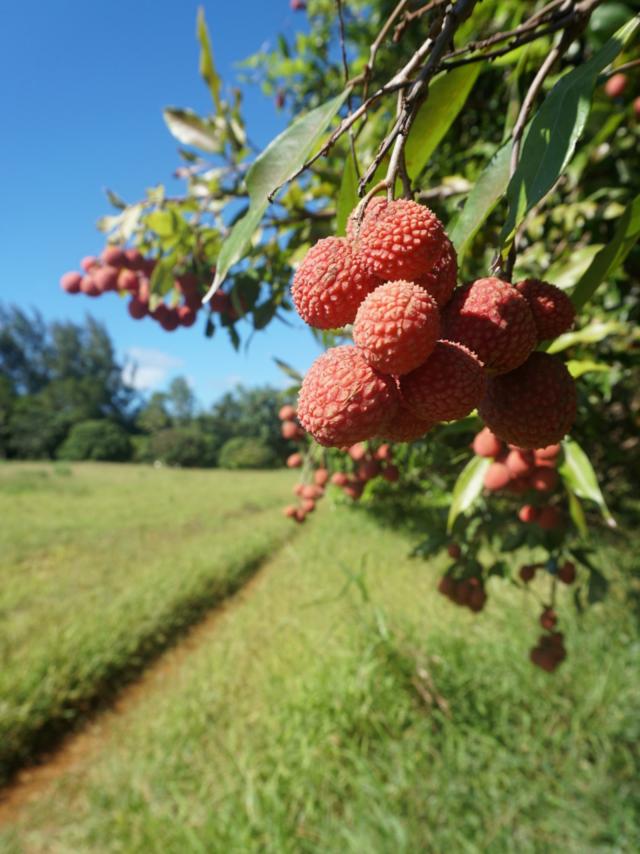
column 187, row 447
column 96, row 440
column 246, row 453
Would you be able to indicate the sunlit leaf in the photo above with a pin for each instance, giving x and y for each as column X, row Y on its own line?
column 577, row 513
column 578, row 367
column 591, row 334
column 567, row 271
column 579, row 476
column 610, row 256
column 191, row 129
column 447, row 96
column 555, row 129
column 467, row 488
column 207, row 67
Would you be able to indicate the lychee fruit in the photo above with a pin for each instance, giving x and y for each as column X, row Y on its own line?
column 358, row 451
column 528, row 513
column 289, row 430
column 368, row 469
column 294, row 461
column 106, row 278
column 494, row 320
column 133, row 259
column 548, row 619
column 405, row 426
column 636, row 107
column 485, row 444
column 330, row 283
column 384, row 452
column 403, row 240
column 519, row 463
column 552, row 310
column 128, row 281
column 289, row 511
column 441, row 281
column 375, row 204
column 70, row 283
column 551, row 452
column 186, row 315
column 567, row 572
column 453, row 550
column 544, row 479
column 447, row 586
column 287, row 412
column 615, row 85
column 448, row 386
column 527, row 572
column 339, row 478
column 533, row 406
column 88, row 263
column 391, row 473
column 137, row 308
column 308, row 505
column 496, row 477
column 300, row 515
column 396, row 327
column 113, row 256
column 321, row 476
column 169, row 319
column 343, row 399
column 89, row 287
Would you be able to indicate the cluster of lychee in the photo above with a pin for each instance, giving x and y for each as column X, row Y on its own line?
column 425, row 351
column 468, row 592
column 126, row 271
column 550, row 651
column 523, row 472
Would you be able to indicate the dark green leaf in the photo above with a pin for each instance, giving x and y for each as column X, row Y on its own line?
column 579, row 477
column 207, row 68
column 263, row 315
column 234, row 337
column 610, row 256
column 115, row 200
column 467, row 488
column 555, row 129
column 486, row 194
column 447, row 96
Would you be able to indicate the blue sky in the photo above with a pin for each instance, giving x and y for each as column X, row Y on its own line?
column 83, row 85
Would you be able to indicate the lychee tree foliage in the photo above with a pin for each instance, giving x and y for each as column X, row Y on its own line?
column 504, row 119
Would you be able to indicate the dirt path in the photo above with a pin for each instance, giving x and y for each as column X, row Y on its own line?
column 76, row 749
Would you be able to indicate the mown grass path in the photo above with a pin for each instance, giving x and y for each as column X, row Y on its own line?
column 344, row 706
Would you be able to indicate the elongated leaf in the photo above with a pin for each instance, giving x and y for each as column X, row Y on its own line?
column 578, row 367
column 207, row 67
column 280, row 159
column 555, row 130
column 591, row 334
column 347, row 195
column 486, row 194
column 567, row 272
column 288, row 370
column 447, row 96
column 610, row 256
column 190, row 129
column 467, row 488
column 577, row 513
column 579, row 476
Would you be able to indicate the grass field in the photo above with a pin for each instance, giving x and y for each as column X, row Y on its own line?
column 101, row 566
column 344, row 706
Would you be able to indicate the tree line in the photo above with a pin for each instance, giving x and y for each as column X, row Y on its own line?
column 65, row 395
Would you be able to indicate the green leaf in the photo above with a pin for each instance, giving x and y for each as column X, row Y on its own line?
column 486, row 194
column 578, row 367
column 610, row 256
column 467, row 488
column 554, row 131
column 591, row 334
column 447, row 96
column 567, row 271
column 190, row 129
column 347, row 195
column 579, row 477
column 162, row 277
column 577, row 513
column 162, row 222
column 115, row 200
column 274, row 166
column 207, row 68
column 288, row 370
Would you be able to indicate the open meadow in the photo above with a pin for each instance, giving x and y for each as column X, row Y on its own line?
column 338, row 704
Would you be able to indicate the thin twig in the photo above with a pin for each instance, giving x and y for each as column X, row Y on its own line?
column 634, row 63
column 373, row 50
column 411, row 16
column 345, row 66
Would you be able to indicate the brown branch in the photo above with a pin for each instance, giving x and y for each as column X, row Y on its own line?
column 375, row 47
column 634, row 63
column 411, row 16
column 345, row 65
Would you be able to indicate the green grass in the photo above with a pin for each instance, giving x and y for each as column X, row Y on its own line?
column 345, row 707
column 101, row 566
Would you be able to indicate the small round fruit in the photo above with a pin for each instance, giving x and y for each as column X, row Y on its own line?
column 544, row 479
column 339, row 478
column 289, row 430
column 89, row 287
column 567, row 572
column 552, row 310
column 321, row 476
column 294, row 461
column 548, row 619
column 289, row 511
column 137, row 308
column 358, row 451
column 519, row 463
column 527, row 572
column 70, row 283
column 186, row 316
column 287, row 413
column 533, row 406
column 441, row 281
column 486, row 444
column 615, row 85
column 528, row 513
column 454, row 551
column 496, row 477
column 128, row 281
column 113, row 256
column 391, row 473
column 396, row 327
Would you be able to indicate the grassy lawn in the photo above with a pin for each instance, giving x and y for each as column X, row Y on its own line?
column 100, row 567
column 344, row 706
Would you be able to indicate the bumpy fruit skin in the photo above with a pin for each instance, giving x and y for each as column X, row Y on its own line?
column 494, row 320
column 485, row 444
column 552, row 310
column 401, row 240
column 375, row 205
column 405, row 426
column 70, row 282
column 397, row 327
column 533, row 406
column 343, row 399
column 497, row 476
column 448, row 386
column 330, row 284
column 441, row 281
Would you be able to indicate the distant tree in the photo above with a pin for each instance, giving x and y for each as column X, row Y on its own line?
column 246, row 453
column 154, row 415
column 181, row 400
column 99, row 440
column 187, row 447
column 7, row 403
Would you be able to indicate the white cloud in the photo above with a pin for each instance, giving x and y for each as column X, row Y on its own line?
column 147, row 369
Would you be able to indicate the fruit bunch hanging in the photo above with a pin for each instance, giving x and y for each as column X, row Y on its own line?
column 426, row 351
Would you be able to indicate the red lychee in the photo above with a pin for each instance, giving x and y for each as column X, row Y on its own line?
column 89, row 287
column 567, row 572
column 528, row 513
column 636, row 107
column 133, row 259
column 287, row 412
column 330, row 284
column 300, row 515
column 448, row 386
column 344, row 400
column 169, row 320
column 477, row 598
column 137, row 308
column 391, row 473
column 497, row 476
column 519, row 463
column 321, row 476
column 552, row 310
column 441, row 281
column 128, row 281
column 339, row 478
column 289, row 511
column 447, row 586
column 70, row 282
column 453, row 550
column 88, row 263
column 289, row 430
column 358, row 451
column 615, row 85
column 494, row 320
column 543, row 658
column 113, row 256
column 527, row 572
column 106, row 279
column 403, row 240
column 294, row 461
column 544, row 479
column 533, row 406
column 384, row 452
column 548, row 453
column 375, row 204
column 397, row 327
column 186, row 315
column 548, row 619
column 405, row 426
column 353, row 489
column 308, row 505
column 368, row 469
column 485, row 444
